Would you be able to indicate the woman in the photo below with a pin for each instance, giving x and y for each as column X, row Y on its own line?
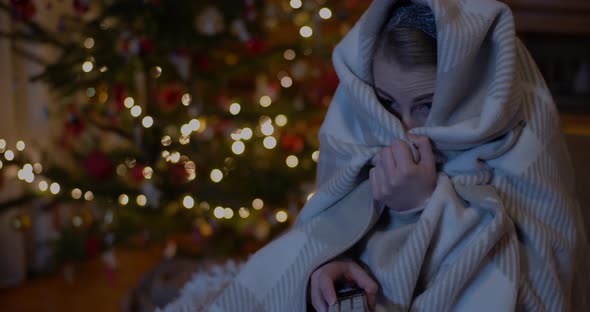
column 406, row 47
column 495, row 228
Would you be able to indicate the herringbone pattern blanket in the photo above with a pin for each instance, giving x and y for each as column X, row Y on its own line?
column 502, row 230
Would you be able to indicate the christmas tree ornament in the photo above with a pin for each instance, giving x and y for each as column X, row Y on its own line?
column 23, row 9
column 210, row 21
column 256, row 46
column 98, row 166
column 81, row 6
column 170, row 96
column 250, row 10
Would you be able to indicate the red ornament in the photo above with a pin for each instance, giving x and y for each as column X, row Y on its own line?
column 119, row 94
column 255, row 46
column 23, row 9
column 177, row 173
column 170, row 96
column 292, row 143
column 136, row 173
column 146, row 45
column 81, row 6
column 203, row 63
column 98, row 165
column 92, row 247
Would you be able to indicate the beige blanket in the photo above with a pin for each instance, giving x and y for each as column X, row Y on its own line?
column 501, row 230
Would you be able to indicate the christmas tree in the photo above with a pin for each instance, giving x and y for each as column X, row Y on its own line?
column 182, row 116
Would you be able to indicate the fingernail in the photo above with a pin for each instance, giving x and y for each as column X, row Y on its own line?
column 332, row 301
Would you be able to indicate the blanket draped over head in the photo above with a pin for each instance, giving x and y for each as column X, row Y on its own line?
column 502, row 226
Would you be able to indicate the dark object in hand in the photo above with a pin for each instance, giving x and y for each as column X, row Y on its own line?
column 350, row 299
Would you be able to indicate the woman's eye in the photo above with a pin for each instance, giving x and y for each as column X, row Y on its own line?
column 423, row 108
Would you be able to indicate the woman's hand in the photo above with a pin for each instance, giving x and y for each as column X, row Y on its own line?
column 323, row 293
column 398, row 181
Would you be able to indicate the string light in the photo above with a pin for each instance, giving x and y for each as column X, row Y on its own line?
column 166, row 141
column 238, row 147
column 315, row 156
column 186, row 99
column 289, row 55
column 76, row 193
column 292, row 161
column 188, row 202
column 184, row 140
column 204, row 205
column 257, row 204
column 236, row 135
column 286, row 82
column 269, row 142
column 296, row 4
column 135, row 111
column 219, row 212
column 9, row 155
column 216, row 175
column 20, row 146
column 148, row 172
column 87, row 66
column 265, row 101
column 141, row 200
column 281, row 216
column 89, row 43
column 306, row 31
column 310, row 195
column 37, row 168
column 228, row 213
column 186, row 130
column 129, row 102
column 325, row 13
column 147, row 122
column 54, row 188
column 121, row 170
column 175, row 157
column 281, row 120
column 43, row 186
column 246, row 133
column 156, row 71
column 195, row 124
column 123, row 199
column 243, row 212
column 267, row 128
column 77, row 221
column 103, row 69
column 2, row 144
column 90, row 92
column 235, row 108
column 1, row 164
column 88, row 196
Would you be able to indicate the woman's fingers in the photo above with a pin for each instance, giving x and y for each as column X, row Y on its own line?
column 327, row 289
column 424, row 148
column 402, row 156
column 323, row 293
column 317, row 299
column 362, row 279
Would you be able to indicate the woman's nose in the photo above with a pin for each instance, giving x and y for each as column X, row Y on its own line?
column 408, row 122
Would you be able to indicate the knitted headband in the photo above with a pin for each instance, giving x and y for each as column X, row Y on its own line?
column 414, row 16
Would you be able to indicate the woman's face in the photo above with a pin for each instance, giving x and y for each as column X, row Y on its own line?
column 407, row 93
